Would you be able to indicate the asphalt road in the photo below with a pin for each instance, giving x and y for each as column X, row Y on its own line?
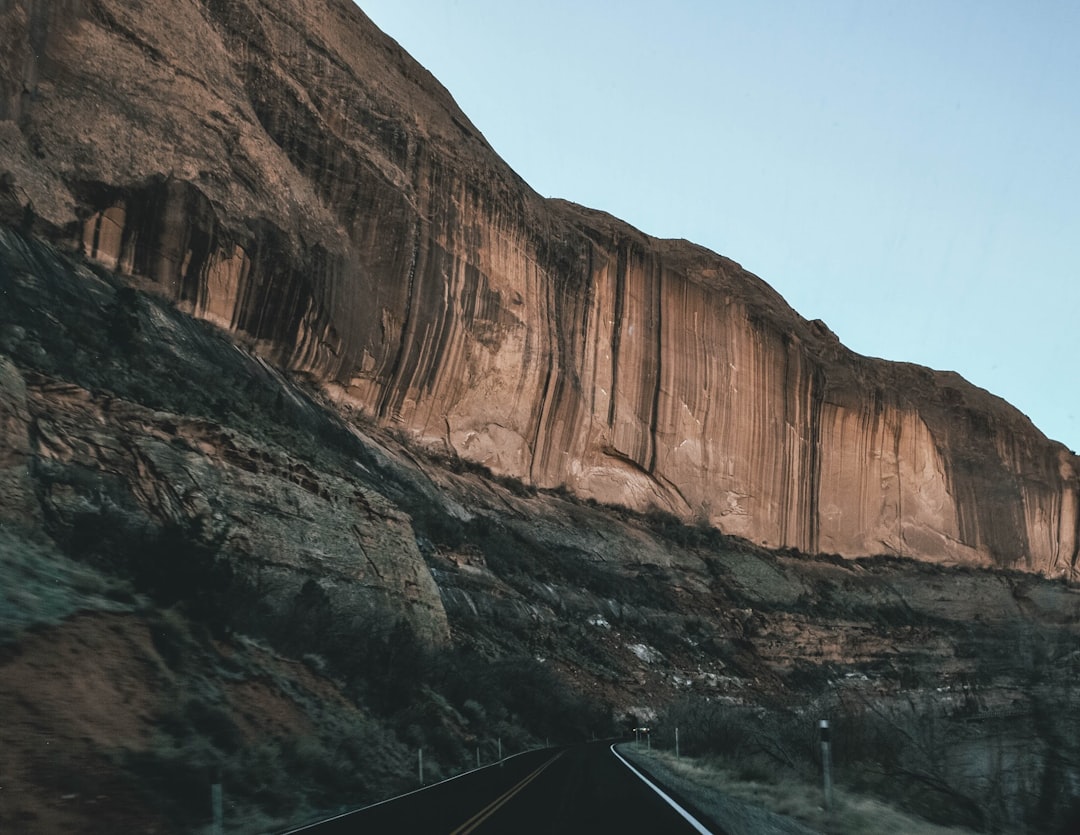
column 584, row 789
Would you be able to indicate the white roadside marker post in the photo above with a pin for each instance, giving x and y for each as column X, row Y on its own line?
column 218, row 808
column 826, row 761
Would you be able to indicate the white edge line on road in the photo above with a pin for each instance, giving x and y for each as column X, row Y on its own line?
column 690, row 819
column 407, row 794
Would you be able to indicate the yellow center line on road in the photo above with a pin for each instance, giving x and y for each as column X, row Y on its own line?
column 476, row 820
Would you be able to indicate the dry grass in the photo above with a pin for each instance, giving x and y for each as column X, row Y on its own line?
column 852, row 814
column 40, row 586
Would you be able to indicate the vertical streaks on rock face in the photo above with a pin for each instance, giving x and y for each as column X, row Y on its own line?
column 22, row 59
column 637, row 360
column 883, row 483
column 1015, row 500
column 1063, row 545
column 288, row 173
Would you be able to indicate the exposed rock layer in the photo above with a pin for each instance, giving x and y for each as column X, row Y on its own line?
column 115, row 448
column 286, row 171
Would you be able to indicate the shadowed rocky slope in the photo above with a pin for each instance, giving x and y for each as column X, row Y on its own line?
column 284, row 170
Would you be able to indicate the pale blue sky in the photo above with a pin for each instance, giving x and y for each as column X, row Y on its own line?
column 908, row 172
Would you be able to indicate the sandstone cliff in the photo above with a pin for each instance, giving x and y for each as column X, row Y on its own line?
column 285, row 171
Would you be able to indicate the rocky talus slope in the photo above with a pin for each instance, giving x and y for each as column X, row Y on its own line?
column 286, row 171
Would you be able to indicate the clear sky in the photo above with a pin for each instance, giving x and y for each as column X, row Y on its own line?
column 906, row 170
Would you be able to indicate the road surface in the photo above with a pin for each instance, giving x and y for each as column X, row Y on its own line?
column 584, row 789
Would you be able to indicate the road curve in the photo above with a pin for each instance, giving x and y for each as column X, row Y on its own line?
column 583, row 789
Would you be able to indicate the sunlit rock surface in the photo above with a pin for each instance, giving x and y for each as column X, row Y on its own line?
column 284, row 170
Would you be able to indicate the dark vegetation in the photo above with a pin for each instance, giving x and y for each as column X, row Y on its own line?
column 956, row 756
column 396, row 695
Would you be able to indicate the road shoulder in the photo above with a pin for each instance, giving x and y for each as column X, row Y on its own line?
column 722, row 814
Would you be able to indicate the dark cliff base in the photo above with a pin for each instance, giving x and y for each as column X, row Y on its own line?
column 174, row 604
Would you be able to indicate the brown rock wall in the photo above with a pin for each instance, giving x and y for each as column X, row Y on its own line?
column 288, row 173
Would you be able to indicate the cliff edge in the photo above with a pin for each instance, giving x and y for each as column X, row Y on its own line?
column 286, row 171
